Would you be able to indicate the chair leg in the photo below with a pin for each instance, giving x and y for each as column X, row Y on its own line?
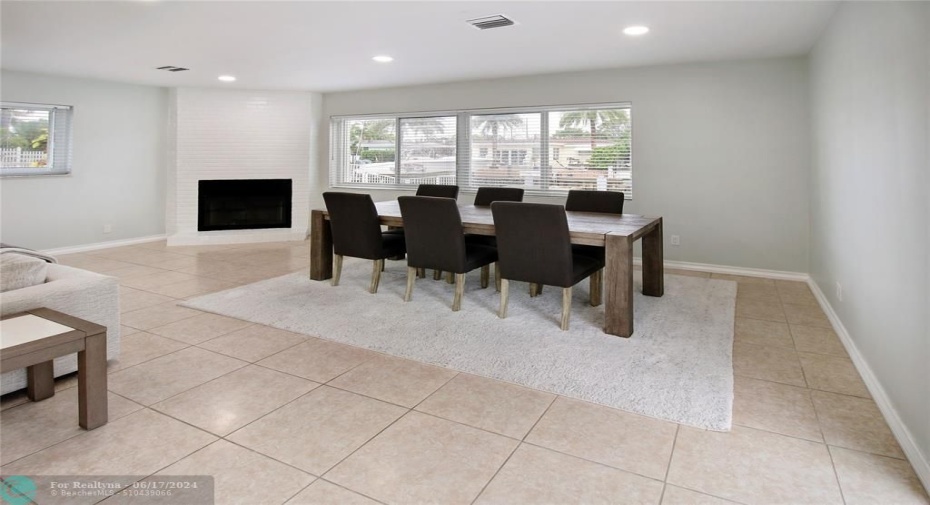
column 485, row 275
column 437, row 274
column 421, row 273
column 505, row 292
column 337, row 270
column 411, row 277
column 497, row 277
column 459, row 292
column 566, row 307
column 535, row 289
column 376, row 276
column 596, row 292
column 450, row 277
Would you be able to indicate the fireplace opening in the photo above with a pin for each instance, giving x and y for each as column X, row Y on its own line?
column 248, row 204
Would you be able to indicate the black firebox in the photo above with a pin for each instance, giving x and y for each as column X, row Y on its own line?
column 244, row 204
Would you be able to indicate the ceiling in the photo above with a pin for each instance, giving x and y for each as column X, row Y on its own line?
column 328, row 46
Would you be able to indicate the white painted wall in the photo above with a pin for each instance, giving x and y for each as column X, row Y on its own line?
column 238, row 134
column 118, row 175
column 870, row 187
column 720, row 150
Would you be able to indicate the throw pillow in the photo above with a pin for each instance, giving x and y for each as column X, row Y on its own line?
column 18, row 271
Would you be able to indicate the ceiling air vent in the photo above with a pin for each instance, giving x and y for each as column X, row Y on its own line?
column 486, row 23
column 172, row 68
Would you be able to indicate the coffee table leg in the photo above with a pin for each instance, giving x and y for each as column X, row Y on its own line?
column 618, row 285
column 321, row 247
column 40, row 381
column 92, row 382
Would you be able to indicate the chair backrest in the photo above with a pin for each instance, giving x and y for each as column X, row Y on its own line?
column 438, row 190
column 434, row 234
column 608, row 202
column 533, row 243
column 354, row 221
column 485, row 196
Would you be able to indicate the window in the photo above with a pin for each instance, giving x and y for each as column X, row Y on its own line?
column 35, row 139
column 363, row 151
column 506, row 138
column 545, row 150
column 427, row 150
column 590, row 149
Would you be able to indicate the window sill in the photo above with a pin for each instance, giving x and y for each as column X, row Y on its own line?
column 33, row 176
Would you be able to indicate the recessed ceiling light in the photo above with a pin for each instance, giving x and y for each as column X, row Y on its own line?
column 636, row 30
column 383, row 58
column 226, row 78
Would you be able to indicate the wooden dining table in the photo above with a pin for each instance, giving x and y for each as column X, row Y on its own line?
column 615, row 232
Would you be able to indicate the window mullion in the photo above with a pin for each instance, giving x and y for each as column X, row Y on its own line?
column 397, row 141
column 50, row 141
column 545, row 170
column 462, row 151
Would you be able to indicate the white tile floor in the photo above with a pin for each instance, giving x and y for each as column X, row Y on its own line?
column 319, row 422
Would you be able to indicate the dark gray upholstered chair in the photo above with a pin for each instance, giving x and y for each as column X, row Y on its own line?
column 534, row 245
column 438, row 190
column 357, row 233
column 607, row 202
column 436, row 239
column 485, row 196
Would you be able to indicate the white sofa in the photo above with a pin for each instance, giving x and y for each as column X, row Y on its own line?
column 80, row 293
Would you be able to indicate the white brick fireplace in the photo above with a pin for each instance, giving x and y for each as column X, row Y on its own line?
column 235, row 134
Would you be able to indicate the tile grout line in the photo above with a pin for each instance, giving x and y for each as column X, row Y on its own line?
column 496, row 472
column 301, row 490
column 709, row 494
column 599, row 463
column 368, row 441
column 519, row 443
column 671, row 456
column 351, row 490
column 172, row 463
column 836, row 475
column 76, row 434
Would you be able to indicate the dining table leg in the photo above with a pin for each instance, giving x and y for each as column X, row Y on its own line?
column 653, row 262
column 321, row 247
column 618, row 285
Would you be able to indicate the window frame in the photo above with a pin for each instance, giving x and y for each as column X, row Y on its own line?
column 463, row 142
column 58, row 149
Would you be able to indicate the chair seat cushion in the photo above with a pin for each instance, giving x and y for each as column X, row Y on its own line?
column 392, row 244
column 477, row 255
column 592, row 251
column 583, row 266
column 484, row 240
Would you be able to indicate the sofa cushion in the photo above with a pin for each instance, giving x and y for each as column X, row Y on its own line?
column 18, row 271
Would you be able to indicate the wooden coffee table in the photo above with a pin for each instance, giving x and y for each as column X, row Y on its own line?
column 32, row 339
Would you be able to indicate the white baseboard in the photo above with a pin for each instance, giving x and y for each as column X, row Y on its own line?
column 722, row 269
column 104, row 245
column 898, row 428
